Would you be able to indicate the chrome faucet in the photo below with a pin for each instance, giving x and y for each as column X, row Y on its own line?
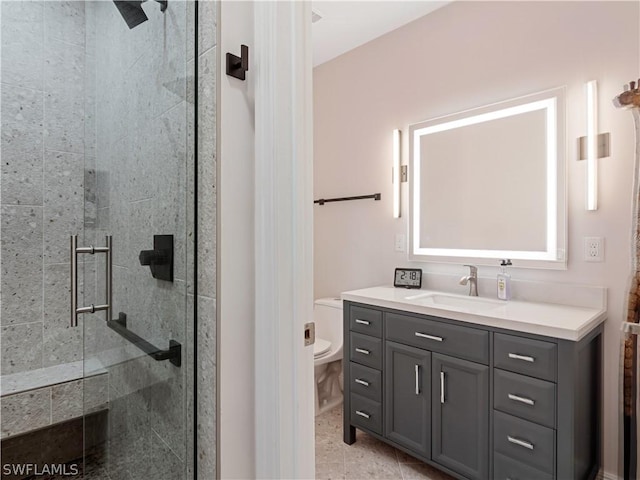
column 472, row 280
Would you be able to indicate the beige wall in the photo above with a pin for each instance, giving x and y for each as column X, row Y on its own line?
column 462, row 56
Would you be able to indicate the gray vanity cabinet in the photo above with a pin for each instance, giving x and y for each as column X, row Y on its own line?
column 363, row 371
column 408, row 397
column 460, row 415
column 475, row 401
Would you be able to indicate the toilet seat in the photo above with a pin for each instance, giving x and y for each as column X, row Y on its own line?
column 320, row 347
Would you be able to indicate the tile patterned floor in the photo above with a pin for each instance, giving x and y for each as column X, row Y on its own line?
column 368, row 458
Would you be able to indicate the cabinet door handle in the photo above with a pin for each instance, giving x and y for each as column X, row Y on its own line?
column 417, row 370
column 517, row 398
column 526, row 358
column 429, row 337
column 362, row 414
column 361, row 382
column 363, row 322
column 442, row 399
column 521, row 443
column 363, row 351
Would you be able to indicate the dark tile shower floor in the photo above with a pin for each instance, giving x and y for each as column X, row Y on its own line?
column 55, row 445
column 93, row 468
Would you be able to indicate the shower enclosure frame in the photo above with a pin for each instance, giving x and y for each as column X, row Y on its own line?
column 196, row 136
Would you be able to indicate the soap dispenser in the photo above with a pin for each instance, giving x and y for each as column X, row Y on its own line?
column 504, row 281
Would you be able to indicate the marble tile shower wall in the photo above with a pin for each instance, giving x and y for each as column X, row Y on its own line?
column 46, row 178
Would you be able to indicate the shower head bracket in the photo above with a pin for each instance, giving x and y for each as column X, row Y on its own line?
column 132, row 12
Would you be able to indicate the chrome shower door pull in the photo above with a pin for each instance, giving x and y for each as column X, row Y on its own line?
column 74, row 251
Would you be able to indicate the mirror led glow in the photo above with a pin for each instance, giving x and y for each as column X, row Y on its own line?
column 548, row 106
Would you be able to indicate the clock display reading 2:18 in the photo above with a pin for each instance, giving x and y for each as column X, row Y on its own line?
column 408, row 278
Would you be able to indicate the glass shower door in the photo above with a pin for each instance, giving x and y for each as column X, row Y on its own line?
column 48, row 193
column 97, row 134
column 138, row 122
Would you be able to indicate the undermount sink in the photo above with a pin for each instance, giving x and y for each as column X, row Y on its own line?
column 455, row 301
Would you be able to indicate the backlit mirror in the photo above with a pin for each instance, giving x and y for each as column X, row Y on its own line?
column 489, row 183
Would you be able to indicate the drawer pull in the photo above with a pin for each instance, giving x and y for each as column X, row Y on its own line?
column 521, row 443
column 526, row 358
column 363, row 322
column 442, row 387
column 417, row 370
column 429, row 337
column 517, row 398
column 363, row 351
column 362, row 414
column 361, row 382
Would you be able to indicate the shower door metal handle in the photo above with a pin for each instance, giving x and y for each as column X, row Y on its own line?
column 74, row 251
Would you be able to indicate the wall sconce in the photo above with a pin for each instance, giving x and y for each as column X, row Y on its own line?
column 399, row 173
column 396, row 173
column 593, row 146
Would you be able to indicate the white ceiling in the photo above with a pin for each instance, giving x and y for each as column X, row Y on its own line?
column 346, row 25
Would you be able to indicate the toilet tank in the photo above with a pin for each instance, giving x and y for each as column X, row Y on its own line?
column 327, row 315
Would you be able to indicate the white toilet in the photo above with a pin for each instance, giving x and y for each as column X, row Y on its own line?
column 327, row 353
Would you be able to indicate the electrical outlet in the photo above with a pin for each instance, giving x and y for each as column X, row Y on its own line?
column 400, row 242
column 593, row 249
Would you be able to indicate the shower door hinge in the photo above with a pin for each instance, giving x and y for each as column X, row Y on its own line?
column 238, row 66
column 309, row 334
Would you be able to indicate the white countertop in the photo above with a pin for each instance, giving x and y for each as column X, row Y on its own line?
column 552, row 320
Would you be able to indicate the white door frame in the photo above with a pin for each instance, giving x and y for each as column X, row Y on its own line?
column 235, row 249
column 284, row 401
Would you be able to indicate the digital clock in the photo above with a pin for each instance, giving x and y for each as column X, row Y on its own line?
column 408, row 278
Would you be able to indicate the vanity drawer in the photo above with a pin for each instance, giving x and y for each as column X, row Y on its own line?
column 505, row 468
column 524, row 355
column 365, row 381
column 462, row 342
column 365, row 350
column 526, row 442
column 525, row 397
column 365, row 320
column 366, row 413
